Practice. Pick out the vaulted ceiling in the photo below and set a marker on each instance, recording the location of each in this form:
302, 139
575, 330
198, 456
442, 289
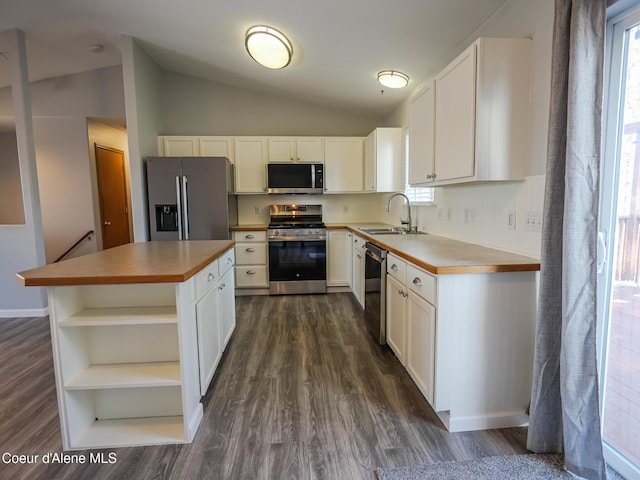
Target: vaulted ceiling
339, 45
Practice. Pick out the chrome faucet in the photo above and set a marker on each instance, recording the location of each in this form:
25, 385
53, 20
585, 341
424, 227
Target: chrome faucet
408, 221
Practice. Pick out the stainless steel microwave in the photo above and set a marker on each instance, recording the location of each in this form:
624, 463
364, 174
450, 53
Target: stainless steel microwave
295, 178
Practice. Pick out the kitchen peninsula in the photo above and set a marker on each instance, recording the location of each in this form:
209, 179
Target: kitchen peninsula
130, 364
460, 318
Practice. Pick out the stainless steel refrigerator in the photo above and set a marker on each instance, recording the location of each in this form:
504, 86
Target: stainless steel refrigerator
190, 198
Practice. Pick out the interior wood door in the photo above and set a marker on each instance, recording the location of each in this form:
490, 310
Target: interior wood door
112, 191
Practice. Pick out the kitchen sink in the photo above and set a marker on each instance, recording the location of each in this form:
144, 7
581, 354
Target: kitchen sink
389, 231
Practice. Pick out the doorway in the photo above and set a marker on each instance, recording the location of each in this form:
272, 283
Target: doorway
112, 194
619, 259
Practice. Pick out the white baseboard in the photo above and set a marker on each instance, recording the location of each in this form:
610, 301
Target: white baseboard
488, 421
27, 312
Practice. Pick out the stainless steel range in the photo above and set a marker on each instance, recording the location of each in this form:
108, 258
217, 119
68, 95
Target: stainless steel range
297, 250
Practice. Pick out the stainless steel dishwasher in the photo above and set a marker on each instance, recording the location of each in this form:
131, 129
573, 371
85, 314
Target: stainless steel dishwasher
375, 270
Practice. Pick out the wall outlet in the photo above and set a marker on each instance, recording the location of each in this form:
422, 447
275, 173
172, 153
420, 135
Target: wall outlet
511, 220
533, 221
469, 216
440, 214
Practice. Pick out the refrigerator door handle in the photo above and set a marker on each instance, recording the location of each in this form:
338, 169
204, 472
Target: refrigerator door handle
179, 207
185, 206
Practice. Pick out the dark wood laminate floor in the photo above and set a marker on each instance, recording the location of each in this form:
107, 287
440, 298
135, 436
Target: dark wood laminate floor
302, 393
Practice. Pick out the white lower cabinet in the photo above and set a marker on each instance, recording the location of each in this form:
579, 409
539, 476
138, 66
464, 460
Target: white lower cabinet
466, 340
420, 352
215, 316
251, 259
126, 357
357, 271
339, 263
396, 317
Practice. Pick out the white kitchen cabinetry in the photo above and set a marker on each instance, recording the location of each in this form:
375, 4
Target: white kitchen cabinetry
178, 146
339, 264
343, 159
422, 136
296, 149
211, 146
482, 113
196, 146
396, 306
215, 319
466, 340
421, 329
357, 271
126, 363
383, 160
250, 161
251, 259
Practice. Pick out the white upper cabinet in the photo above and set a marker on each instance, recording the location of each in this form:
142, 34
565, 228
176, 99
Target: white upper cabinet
251, 158
216, 147
178, 146
455, 118
383, 160
194, 146
343, 158
296, 149
482, 113
422, 129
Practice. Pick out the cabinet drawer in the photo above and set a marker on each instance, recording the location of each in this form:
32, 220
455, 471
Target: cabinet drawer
226, 261
251, 276
251, 254
396, 267
206, 278
422, 283
253, 236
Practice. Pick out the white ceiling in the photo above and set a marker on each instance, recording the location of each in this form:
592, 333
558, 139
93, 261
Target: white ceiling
339, 45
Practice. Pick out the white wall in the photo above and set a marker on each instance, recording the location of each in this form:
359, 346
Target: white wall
339, 208
518, 18
142, 78
60, 107
64, 178
192, 106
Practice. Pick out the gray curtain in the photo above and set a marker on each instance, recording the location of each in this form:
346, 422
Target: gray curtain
564, 413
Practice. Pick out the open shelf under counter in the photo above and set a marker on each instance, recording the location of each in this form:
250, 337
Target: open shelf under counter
121, 316
131, 432
130, 375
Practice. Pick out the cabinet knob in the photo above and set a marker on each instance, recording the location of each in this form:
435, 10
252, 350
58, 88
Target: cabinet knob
250, 237
429, 177
250, 250
394, 267
417, 282
433, 176
210, 277
229, 260
251, 272
107, 224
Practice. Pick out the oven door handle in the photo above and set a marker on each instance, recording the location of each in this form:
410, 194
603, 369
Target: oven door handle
318, 238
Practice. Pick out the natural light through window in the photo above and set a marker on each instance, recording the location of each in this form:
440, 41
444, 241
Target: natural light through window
415, 194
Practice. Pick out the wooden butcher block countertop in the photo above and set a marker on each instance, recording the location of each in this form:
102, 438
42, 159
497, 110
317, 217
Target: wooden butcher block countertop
441, 255
147, 262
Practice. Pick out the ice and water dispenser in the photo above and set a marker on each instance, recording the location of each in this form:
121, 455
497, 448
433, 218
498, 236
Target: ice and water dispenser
167, 218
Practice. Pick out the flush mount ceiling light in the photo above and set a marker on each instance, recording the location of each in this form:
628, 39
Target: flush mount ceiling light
268, 46
393, 79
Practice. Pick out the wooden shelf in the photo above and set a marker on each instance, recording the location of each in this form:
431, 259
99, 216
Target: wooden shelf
121, 316
131, 432
129, 375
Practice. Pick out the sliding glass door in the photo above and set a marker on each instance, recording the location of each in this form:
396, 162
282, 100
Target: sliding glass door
619, 262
